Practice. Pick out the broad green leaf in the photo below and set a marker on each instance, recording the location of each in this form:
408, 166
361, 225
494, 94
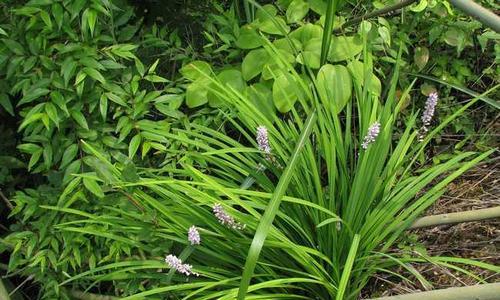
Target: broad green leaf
284, 92
249, 38
307, 32
135, 142
32, 118
14, 46
29, 148
32, 95
196, 70
94, 74
35, 157
318, 6
155, 78
420, 6
334, 86
46, 19
93, 187
356, 69
58, 99
311, 54
91, 62
68, 155
68, 70
79, 118
39, 2
421, 57
58, 13
288, 46
276, 25
296, 11
343, 48
103, 106
116, 99
152, 69
47, 155
5, 103
253, 63
262, 96
266, 12
80, 77
51, 111
385, 34
140, 67
230, 79
196, 93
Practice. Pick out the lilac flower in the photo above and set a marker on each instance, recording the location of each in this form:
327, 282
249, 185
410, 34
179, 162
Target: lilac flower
372, 134
226, 219
194, 235
176, 263
430, 106
263, 140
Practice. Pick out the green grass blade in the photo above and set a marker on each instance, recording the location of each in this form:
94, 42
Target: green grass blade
348, 268
4, 295
488, 100
265, 225
327, 32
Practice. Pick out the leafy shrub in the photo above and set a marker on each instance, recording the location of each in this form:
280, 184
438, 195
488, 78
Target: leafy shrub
344, 208
133, 159
68, 70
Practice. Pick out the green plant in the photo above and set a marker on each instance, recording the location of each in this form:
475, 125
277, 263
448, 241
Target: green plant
132, 160
323, 210
71, 74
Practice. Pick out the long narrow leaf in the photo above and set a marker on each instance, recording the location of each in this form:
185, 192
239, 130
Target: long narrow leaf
272, 209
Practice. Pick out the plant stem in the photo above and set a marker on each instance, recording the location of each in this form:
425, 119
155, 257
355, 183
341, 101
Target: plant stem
458, 217
4, 295
482, 14
374, 14
489, 291
6, 200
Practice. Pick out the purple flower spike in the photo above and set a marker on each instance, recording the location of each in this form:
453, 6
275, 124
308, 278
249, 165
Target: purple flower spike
430, 106
263, 140
176, 263
372, 134
226, 219
194, 236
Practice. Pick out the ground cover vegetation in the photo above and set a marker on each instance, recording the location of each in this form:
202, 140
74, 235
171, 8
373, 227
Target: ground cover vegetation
233, 149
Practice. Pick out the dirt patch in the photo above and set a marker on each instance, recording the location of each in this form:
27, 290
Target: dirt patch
479, 188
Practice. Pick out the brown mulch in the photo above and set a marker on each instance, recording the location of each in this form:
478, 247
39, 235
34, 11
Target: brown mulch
479, 188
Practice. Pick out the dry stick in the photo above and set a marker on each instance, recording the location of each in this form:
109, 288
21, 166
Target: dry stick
458, 217
374, 14
489, 291
6, 200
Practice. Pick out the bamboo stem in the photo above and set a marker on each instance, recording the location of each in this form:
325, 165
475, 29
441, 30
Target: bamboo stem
458, 217
482, 14
489, 291
469, 7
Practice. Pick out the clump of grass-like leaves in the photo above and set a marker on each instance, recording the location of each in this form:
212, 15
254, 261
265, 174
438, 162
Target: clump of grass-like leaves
320, 212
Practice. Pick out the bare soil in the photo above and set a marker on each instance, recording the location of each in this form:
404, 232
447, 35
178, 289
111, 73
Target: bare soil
478, 188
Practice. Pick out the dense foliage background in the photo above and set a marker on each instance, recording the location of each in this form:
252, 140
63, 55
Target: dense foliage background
103, 102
